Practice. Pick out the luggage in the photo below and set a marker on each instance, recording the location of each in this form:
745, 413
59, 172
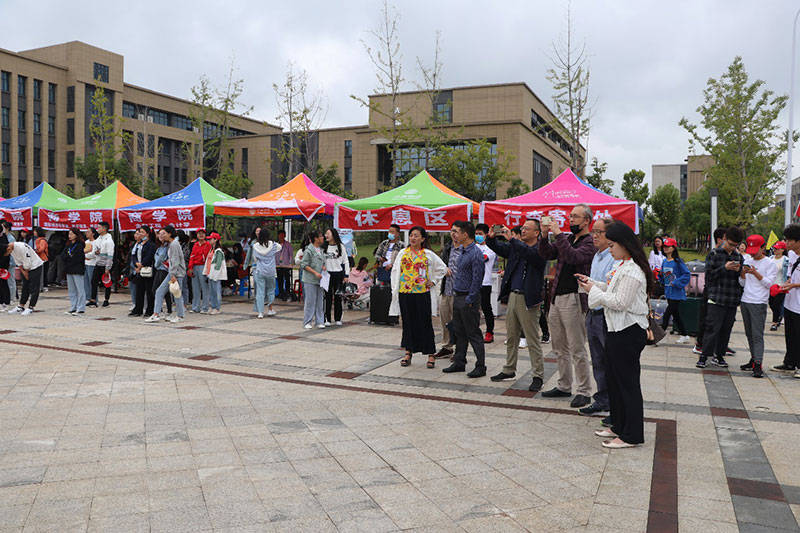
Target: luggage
690, 314
697, 284
380, 298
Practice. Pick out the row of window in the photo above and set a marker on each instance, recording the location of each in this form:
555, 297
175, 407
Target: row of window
37, 121
5, 156
541, 127
5, 86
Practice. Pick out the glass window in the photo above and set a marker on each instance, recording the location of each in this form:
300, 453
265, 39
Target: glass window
51, 125
6, 114
151, 146
348, 148
51, 159
37, 123
140, 144
21, 120
51, 92
70, 131
5, 156
348, 175
181, 122
6, 81
21, 82
21, 153
70, 163
37, 157
128, 110
158, 117
101, 72
71, 99
37, 89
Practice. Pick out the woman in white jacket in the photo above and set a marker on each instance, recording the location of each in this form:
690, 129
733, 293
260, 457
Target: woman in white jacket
264, 273
416, 270
217, 272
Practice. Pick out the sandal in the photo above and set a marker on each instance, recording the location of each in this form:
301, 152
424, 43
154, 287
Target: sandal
406, 361
431, 361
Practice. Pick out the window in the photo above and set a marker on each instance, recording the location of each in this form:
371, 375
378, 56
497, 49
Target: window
21, 81
51, 93
128, 110
37, 89
541, 170
151, 146
37, 157
6, 81
244, 159
101, 72
348, 148
21, 154
71, 99
443, 107
183, 176
70, 131
159, 117
5, 154
181, 122
348, 179
21, 120
70, 164
37, 123
140, 144
51, 125
6, 113
51, 159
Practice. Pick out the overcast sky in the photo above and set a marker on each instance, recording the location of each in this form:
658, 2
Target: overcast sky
650, 60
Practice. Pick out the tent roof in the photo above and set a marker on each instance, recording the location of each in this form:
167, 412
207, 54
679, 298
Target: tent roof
566, 189
198, 192
44, 195
115, 196
423, 190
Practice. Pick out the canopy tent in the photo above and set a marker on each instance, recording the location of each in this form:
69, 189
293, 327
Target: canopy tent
421, 201
297, 197
557, 199
86, 212
185, 209
21, 209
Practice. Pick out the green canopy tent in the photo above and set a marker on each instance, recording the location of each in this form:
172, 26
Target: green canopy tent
21, 209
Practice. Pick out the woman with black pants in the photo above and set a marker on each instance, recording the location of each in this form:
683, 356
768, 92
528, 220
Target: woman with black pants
144, 274
624, 302
338, 266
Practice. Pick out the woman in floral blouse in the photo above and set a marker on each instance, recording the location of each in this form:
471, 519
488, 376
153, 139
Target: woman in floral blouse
415, 271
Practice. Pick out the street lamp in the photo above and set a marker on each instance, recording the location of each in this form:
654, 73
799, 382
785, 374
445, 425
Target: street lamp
790, 145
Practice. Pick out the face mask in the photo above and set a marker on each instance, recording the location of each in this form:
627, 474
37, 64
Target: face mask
391, 236
575, 229
480, 239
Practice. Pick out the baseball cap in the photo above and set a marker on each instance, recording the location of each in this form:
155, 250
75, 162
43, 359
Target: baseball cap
106, 279
754, 244
4, 274
775, 290
780, 245
214, 235
670, 242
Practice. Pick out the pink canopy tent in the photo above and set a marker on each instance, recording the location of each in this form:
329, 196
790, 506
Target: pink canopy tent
557, 199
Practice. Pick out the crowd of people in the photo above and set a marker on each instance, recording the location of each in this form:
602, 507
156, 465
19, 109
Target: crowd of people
597, 294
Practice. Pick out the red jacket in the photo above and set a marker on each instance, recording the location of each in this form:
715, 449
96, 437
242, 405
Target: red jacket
199, 252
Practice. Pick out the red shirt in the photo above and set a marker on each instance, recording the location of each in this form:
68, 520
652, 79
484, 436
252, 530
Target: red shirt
199, 252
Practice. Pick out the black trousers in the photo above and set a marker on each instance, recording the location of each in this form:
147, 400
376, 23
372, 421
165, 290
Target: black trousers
31, 287
776, 304
467, 328
673, 310
46, 267
5, 292
284, 282
701, 319
543, 323
144, 295
332, 299
158, 279
97, 277
623, 349
791, 331
486, 307
719, 322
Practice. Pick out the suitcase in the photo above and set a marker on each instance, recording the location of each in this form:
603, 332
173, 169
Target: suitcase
380, 298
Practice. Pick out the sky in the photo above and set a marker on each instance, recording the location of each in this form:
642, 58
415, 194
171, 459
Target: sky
649, 60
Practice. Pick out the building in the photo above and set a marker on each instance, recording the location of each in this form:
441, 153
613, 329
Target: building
46, 111
687, 177
45, 99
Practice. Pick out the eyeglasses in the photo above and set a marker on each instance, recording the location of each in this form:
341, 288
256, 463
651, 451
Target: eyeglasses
598, 231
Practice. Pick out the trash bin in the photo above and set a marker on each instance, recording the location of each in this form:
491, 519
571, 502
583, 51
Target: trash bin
690, 313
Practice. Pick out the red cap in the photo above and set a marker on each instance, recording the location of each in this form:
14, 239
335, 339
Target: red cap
670, 242
754, 244
4, 274
780, 245
214, 235
106, 279
775, 290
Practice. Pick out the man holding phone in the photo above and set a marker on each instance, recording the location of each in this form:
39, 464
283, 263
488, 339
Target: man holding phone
757, 276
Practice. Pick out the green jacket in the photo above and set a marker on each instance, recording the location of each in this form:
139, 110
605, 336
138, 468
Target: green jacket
311, 257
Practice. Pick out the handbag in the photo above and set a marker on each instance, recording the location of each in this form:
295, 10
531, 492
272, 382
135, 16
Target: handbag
654, 330
146, 272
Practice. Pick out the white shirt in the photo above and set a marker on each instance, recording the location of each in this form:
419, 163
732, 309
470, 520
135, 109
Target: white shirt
624, 298
334, 263
792, 301
778, 261
488, 263
655, 260
91, 258
388, 255
25, 257
757, 291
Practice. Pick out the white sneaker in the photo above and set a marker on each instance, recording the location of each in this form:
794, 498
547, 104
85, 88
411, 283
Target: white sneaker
132, 307
797, 374
214, 312
338, 322
683, 339
327, 323
308, 326
16, 310
271, 312
70, 312
321, 326
523, 343
3, 307
204, 312
27, 312
152, 318
260, 315
175, 319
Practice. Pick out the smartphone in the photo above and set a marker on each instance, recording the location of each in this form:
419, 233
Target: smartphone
547, 220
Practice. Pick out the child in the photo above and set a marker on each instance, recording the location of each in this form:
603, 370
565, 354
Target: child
674, 276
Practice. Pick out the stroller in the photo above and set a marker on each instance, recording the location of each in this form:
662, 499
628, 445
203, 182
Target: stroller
350, 296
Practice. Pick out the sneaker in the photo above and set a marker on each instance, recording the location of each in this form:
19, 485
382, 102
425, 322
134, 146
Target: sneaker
27, 311
536, 385
777, 368
593, 410
214, 312
3, 307
70, 312
579, 401
152, 318
555, 392
477, 372
132, 307
523, 343
271, 312
444, 352
701, 363
757, 371
321, 326
773, 327
260, 315
193, 311
204, 312
719, 361
545, 339
308, 326
606, 422
327, 323
503, 376
105, 303
748, 365
338, 322
16, 310
175, 319
730, 351
797, 374
683, 339
488, 338
697, 350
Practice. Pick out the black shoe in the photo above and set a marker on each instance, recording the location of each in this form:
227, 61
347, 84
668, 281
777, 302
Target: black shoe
555, 392
453, 368
594, 410
719, 361
748, 365
536, 385
444, 352
606, 422
105, 303
783, 368
545, 339
502, 375
757, 371
477, 372
773, 327
730, 351
580, 400
701, 363
91, 304
134, 314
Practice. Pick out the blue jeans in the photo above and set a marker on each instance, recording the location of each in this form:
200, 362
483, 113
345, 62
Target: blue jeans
77, 293
265, 289
215, 293
132, 287
87, 280
162, 290
200, 296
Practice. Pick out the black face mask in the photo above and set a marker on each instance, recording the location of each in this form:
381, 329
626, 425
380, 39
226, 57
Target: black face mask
575, 229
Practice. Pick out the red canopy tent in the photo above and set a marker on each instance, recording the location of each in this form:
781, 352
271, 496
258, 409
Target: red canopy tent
557, 199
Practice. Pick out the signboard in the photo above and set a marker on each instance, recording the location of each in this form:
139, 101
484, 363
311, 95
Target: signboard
405, 216
82, 219
19, 218
189, 218
515, 215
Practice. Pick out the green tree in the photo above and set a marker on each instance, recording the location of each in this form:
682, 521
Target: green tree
104, 142
89, 168
666, 204
739, 121
517, 187
472, 169
596, 179
770, 222
634, 188
695, 219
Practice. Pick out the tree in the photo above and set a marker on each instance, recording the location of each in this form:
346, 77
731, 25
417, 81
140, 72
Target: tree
436, 131
666, 204
695, 219
770, 222
634, 188
328, 179
596, 179
472, 169
517, 187
569, 77
104, 142
740, 130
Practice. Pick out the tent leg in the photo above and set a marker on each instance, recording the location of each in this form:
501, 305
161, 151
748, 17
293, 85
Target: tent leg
287, 227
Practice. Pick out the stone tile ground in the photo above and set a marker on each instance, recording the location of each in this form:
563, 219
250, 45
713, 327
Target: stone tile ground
228, 423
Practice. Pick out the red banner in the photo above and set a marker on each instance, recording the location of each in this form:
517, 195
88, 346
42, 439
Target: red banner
79, 218
19, 218
510, 215
405, 216
186, 218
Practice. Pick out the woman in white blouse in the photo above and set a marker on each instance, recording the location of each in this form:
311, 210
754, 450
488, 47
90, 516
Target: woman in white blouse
623, 296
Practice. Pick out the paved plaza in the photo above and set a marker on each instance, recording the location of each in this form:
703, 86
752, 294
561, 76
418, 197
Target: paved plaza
229, 423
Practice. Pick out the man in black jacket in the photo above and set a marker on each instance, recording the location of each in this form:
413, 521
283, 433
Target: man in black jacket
522, 283
142, 257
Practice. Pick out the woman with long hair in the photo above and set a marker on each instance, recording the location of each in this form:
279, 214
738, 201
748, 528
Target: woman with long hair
623, 296
338, 267
75, 268
143, 273
216, 271
674, 277
782, 265
657, 253
312, 264
90, 261
161, 265
265, 272
415, 271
